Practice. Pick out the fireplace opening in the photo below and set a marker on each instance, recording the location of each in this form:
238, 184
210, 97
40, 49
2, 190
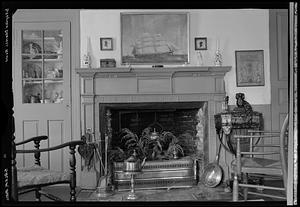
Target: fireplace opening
186, 120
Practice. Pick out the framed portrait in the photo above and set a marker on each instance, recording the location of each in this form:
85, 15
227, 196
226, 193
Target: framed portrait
200, 43
106, 43
155, 38
249, 68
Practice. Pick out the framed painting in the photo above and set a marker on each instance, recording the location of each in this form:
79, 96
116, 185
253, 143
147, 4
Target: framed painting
200, 43
249, 68
106, 43
155, 38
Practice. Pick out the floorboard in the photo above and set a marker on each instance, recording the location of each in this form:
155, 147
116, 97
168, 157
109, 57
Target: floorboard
196, 193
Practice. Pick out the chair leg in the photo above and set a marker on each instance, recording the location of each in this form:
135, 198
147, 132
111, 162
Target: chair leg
235, 189
245, 180
72, 174
37, 194
72, 193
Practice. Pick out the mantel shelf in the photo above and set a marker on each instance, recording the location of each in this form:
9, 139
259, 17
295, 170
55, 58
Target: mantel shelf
133, 71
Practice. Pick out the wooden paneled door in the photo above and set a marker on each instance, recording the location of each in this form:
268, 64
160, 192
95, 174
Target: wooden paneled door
279, 68
41, 87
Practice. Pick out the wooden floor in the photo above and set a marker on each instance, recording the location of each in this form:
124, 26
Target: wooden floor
197, 194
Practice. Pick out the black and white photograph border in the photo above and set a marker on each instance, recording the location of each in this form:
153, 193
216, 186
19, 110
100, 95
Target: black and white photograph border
9, 23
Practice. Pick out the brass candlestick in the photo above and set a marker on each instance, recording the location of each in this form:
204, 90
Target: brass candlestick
133, 166
132, 195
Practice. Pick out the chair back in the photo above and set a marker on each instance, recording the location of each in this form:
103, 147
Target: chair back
283, 148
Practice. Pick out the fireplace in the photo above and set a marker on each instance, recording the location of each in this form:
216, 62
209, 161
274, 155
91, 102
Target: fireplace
136, 97
186, 120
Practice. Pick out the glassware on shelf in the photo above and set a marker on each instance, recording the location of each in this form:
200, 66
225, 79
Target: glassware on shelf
53, 42
42, 66
31, 69
32, 49
53, 91
32, 91
53, 69
31, 34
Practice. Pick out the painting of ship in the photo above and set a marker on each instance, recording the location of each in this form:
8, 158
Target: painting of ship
152, 46
154, 38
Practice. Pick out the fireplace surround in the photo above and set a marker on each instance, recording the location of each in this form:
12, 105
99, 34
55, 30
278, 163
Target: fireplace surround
103, 90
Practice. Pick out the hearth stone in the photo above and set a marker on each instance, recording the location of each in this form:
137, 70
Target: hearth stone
179, 173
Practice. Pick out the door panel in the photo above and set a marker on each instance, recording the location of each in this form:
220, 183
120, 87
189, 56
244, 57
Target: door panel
278, 70
282, 44
56, 137
41, 86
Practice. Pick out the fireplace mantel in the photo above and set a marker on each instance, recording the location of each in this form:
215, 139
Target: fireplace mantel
153, 72
169, 80
145, 85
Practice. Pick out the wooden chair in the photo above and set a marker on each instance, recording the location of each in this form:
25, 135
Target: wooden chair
35, 177
247, 163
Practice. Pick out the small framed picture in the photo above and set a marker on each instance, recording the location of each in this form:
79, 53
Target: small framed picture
106, 43
200, 43
249, 68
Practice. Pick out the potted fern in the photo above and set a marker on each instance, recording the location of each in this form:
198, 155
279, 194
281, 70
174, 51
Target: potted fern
158, 147
132, 142
174, 149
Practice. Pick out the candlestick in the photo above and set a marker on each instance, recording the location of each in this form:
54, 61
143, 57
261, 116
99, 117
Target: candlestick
200, 58
218, 56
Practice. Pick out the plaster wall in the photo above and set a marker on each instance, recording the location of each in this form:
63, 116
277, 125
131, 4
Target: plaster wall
236, 29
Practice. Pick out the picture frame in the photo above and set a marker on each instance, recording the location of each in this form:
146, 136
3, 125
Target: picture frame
200, 43
154, 38
106, 43
249, 68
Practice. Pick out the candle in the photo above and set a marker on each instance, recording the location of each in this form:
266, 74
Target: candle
217, 44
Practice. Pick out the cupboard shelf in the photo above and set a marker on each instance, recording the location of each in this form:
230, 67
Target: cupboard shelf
38, 38
39, 80
40, 60
26, 54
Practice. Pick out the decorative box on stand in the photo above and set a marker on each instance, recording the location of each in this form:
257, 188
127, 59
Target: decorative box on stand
237, 122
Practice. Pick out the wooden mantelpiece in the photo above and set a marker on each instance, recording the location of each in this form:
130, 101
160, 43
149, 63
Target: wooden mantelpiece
169, 80
132, 71
145, 85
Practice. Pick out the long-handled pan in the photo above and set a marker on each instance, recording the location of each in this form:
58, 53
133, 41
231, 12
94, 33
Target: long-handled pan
213, 173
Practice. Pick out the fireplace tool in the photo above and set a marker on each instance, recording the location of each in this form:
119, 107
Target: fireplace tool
213, 172
103, 189
133, 166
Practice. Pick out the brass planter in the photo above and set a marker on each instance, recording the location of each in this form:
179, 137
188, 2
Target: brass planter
133, 164
158, 174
